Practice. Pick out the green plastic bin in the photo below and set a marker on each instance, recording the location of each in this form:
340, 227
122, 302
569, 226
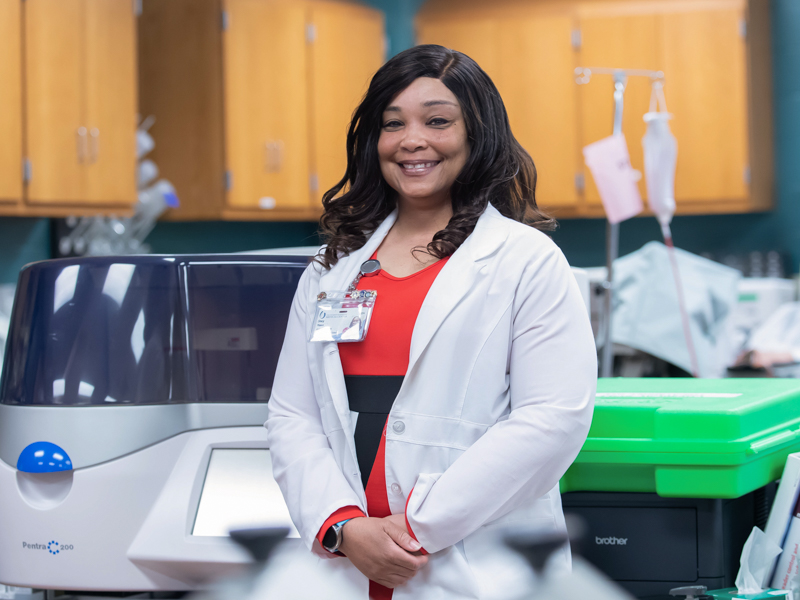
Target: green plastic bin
688, 438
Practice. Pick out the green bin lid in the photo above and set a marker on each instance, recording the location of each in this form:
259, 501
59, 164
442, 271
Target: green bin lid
685, 437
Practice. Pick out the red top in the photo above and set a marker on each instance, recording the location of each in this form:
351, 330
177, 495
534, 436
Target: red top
385, 351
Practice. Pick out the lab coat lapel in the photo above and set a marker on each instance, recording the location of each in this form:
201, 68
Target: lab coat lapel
456, 278
339, 278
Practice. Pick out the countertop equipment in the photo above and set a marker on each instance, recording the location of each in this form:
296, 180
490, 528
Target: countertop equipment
132, 404
676, 472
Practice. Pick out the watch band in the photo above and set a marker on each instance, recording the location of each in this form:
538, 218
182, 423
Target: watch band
333, 537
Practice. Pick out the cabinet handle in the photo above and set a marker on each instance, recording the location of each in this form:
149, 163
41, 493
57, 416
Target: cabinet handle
94, 146
81, 144
273, 156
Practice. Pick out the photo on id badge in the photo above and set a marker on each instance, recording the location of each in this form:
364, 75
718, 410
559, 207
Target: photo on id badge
343, 316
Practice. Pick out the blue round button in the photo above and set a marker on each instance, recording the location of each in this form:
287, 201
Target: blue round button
43, 457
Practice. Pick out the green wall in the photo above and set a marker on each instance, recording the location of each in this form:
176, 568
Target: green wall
399, 22
227, 236
583, 240
22, 241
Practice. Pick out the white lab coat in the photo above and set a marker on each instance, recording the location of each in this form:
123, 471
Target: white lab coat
495, 405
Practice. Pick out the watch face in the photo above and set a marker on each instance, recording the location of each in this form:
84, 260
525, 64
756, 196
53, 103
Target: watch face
331, 538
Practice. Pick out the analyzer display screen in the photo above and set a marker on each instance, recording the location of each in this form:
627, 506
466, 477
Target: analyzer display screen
240, 492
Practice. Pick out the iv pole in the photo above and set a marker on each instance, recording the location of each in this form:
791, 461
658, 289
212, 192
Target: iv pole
582, 76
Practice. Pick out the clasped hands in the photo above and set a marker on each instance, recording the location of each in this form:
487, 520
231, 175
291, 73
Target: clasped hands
382, 549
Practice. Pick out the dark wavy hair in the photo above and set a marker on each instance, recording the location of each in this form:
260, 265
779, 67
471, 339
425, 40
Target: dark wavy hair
498, 169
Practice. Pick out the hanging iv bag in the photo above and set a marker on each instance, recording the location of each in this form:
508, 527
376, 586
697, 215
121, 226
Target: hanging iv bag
660, 156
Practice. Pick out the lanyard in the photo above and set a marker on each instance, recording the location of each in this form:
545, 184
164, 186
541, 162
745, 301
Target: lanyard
368, 269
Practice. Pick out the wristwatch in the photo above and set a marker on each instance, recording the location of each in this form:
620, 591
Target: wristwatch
333, 537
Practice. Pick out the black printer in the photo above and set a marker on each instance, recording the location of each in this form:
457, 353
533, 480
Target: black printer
649, 544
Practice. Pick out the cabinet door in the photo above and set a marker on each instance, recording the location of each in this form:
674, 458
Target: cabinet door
110, 55
477, 37
616, 41
10, 101
56, 144
706, 82
266, 107
535, 79
347, 47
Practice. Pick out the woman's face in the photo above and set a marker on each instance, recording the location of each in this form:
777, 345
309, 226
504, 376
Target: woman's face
423, 142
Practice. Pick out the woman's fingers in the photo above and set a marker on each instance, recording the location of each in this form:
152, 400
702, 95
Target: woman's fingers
404, 563
404, 560
374, 551
409, 556
400, 534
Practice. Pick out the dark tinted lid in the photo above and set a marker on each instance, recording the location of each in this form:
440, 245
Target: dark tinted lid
148, 329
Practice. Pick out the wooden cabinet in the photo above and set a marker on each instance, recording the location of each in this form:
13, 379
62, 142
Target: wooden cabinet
703, 54
80, 104
266, 104
716, 60
541, 102
56, 134
341, 65
111, 101
476, 36
251, 123
11, 102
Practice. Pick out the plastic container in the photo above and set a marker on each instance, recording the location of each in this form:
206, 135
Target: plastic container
688, 438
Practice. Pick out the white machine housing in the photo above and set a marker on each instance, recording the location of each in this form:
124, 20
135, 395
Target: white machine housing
132, 405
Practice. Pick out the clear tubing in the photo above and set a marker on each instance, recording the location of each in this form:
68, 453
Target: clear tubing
687, 332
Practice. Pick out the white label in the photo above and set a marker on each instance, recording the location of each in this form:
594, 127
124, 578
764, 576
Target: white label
341, 324
786, 568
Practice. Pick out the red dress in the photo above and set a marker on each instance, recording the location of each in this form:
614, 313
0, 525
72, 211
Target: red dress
385, 351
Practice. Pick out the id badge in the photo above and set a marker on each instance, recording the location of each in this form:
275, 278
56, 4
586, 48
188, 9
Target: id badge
343, 316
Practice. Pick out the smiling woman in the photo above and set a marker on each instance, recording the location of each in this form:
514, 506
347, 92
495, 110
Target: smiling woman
437, 112
470, 394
